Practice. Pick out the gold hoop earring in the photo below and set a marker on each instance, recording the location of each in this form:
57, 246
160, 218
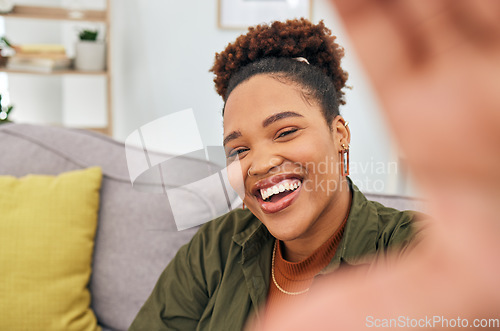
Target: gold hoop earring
344, 158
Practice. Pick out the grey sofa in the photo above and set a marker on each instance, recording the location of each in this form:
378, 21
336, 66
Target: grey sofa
137, 234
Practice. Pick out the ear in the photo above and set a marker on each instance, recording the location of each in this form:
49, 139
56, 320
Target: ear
341, 131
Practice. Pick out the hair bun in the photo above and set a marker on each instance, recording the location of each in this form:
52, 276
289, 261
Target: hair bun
294, 38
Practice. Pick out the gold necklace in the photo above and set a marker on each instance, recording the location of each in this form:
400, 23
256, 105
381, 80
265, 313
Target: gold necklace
274, 279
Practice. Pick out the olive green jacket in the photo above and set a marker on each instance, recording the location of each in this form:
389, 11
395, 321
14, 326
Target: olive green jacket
222, 276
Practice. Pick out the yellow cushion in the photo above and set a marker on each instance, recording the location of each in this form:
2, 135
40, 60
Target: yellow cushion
47, 229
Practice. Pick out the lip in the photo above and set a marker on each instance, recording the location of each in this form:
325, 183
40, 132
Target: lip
274, 207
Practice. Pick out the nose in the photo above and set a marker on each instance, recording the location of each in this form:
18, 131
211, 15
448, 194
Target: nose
263, 162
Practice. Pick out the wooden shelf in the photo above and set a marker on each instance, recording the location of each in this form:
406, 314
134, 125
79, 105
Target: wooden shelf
56, 13
66, 14
55, 72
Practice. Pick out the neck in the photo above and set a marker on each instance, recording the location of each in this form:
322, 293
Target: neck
324, 227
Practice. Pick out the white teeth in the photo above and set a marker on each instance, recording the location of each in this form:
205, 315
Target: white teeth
278, 188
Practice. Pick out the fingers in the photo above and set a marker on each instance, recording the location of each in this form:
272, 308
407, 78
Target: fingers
478, 22
406, 34
352, 9
390, 22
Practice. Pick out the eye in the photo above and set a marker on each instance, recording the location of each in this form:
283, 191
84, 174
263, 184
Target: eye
285, 132
236, 152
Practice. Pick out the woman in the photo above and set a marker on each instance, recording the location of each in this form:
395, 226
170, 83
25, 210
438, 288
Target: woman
282, 86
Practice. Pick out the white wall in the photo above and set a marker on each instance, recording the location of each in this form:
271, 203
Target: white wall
162, 53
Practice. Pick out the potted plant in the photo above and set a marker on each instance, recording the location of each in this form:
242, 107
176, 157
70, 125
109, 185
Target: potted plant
90, 53
6, 6
4, 112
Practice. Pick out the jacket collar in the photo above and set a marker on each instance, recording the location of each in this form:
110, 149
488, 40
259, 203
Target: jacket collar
252, 239
359, 241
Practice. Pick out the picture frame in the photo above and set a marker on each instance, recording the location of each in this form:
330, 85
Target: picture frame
240, 14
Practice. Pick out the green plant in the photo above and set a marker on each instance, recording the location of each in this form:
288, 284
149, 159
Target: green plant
4, 112
4, 42
89, 35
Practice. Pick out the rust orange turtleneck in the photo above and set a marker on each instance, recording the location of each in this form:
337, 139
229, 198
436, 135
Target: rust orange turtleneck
298, 276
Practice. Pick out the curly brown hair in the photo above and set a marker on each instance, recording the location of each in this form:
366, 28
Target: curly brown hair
272, 48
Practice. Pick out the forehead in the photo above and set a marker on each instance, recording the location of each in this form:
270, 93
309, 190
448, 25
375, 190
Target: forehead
261, 96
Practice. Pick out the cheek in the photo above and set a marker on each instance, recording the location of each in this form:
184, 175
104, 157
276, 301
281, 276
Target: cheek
322, 164
318, 157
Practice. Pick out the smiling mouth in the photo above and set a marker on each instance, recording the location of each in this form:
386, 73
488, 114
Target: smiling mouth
279, 196
280, 190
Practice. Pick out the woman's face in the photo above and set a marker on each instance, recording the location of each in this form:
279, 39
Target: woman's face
289, 156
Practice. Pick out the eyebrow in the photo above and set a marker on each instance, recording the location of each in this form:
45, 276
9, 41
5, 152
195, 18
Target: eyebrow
268, 121
279, 116
233, 135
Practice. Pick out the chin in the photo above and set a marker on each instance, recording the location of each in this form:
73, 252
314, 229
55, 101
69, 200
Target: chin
286, 230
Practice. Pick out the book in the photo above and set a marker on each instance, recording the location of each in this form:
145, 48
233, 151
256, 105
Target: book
56, 56
40, 49
38, 64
